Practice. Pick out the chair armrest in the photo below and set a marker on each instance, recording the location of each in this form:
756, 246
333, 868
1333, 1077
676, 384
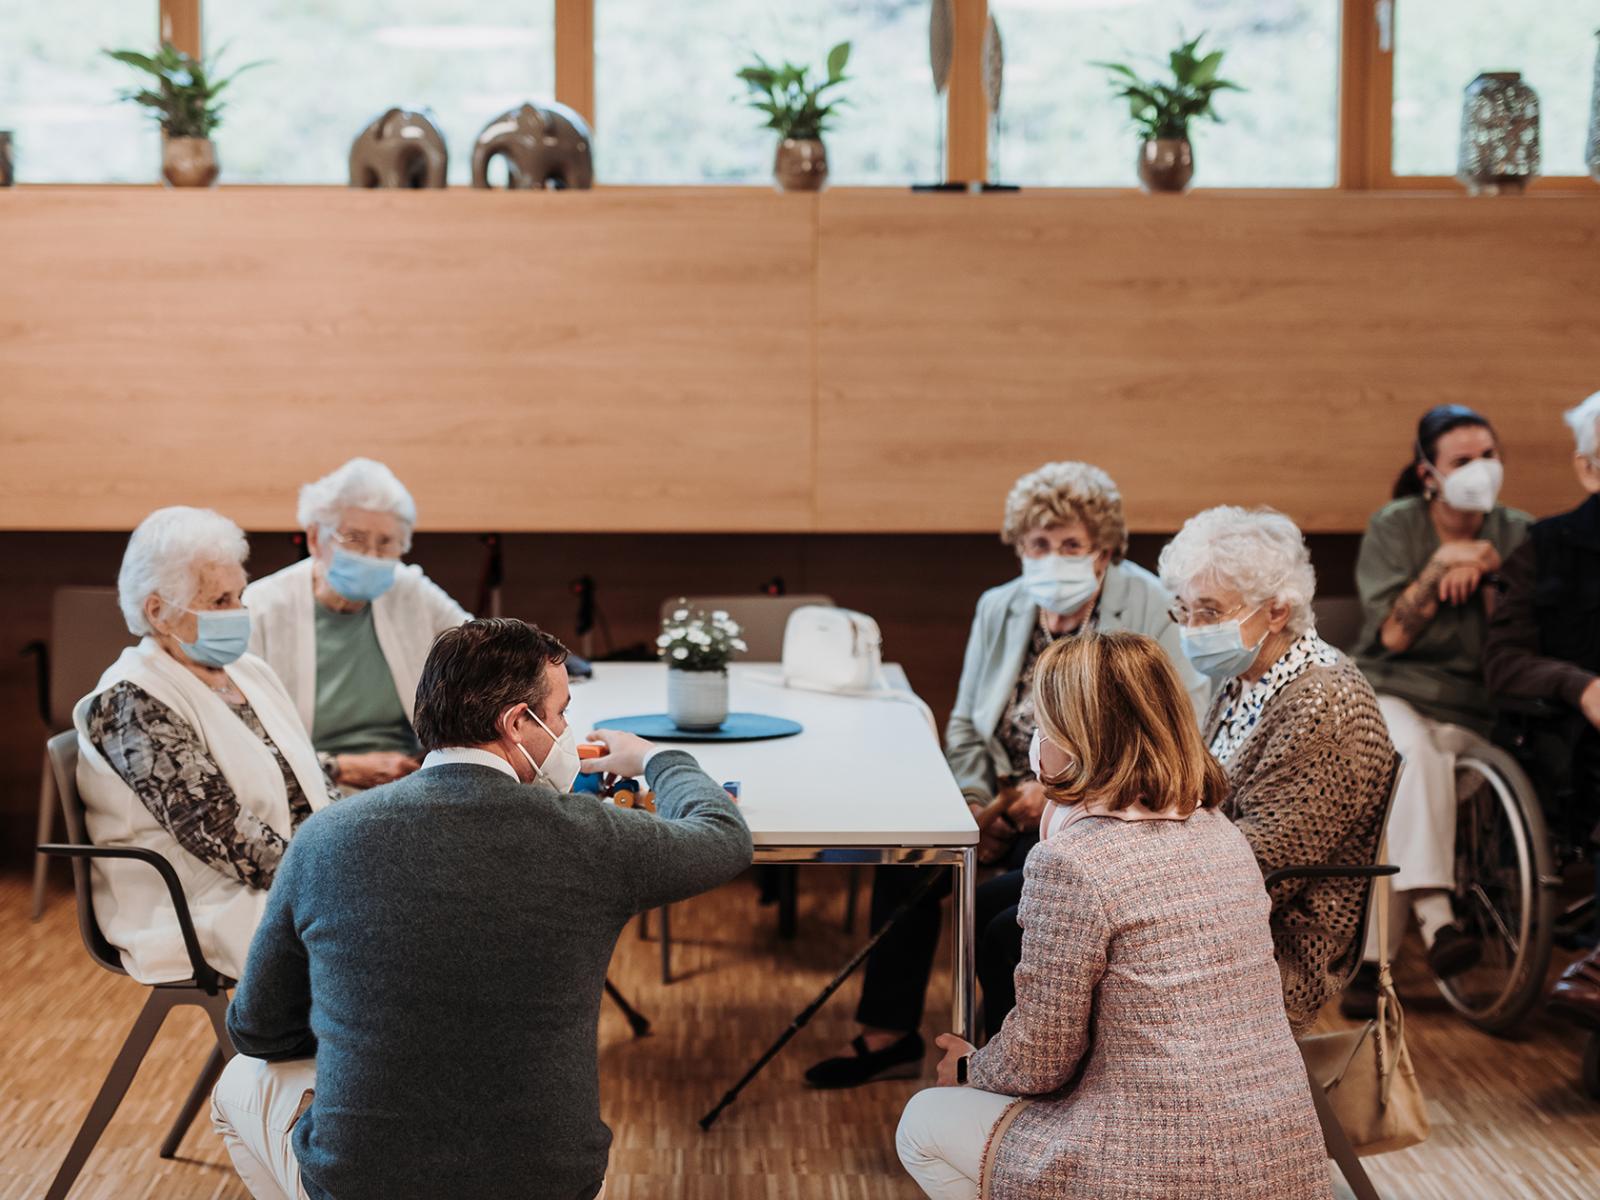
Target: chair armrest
1328, 872
205, 976
41, 666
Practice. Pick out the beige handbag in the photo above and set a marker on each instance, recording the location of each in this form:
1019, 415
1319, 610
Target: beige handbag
1366, 1072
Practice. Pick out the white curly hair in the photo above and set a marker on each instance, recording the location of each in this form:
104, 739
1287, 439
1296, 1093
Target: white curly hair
1584, 421
360, 483
1258, 551
164, 557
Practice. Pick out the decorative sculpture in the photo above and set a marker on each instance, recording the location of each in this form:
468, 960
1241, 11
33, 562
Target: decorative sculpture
544, 145
401, 149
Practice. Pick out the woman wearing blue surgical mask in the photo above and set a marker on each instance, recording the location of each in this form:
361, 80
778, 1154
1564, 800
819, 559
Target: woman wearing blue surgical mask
1295, 725
1065, 524
189, 746
349, 627
1427, 574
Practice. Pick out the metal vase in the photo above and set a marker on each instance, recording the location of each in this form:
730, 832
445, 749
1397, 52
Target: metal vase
1166, 164
1499, 135
801, 165
697, 700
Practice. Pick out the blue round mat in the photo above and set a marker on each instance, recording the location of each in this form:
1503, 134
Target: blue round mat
739, 727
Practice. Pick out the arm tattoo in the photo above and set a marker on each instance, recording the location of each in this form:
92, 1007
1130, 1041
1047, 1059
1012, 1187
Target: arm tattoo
1419, 603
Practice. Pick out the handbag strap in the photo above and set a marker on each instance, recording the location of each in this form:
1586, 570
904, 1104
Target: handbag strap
1388, 1001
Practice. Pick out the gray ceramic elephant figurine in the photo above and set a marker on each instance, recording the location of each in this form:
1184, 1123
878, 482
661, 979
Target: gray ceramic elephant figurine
544, 146
401, 149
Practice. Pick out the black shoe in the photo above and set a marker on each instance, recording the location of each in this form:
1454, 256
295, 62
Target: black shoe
1453, 951
900, 1060
1360, 999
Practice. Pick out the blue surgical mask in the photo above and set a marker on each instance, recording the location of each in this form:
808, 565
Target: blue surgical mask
221, 636
360, 577
1218, 651
1060, 583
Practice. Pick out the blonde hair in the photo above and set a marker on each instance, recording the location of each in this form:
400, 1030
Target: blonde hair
1114, 704
1067, 491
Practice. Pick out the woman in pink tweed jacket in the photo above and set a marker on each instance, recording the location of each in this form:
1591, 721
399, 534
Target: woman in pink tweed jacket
1148, 1055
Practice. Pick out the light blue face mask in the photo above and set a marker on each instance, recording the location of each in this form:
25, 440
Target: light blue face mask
1218, 651
360, 577
1060, 583
221, 636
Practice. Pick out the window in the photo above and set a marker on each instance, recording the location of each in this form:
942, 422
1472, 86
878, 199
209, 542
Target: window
1440, 46
669, 108
331, 68
58, 93
1060, 125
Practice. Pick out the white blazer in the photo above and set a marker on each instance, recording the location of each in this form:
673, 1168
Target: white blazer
130, 899
407, 618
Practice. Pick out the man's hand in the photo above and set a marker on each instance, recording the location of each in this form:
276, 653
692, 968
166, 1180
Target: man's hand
1589, 702
624, 757
364, 771
953, 1048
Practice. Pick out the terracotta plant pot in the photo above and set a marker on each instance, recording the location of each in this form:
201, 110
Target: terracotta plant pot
189, 162
801, 165
1166, 165
697, 700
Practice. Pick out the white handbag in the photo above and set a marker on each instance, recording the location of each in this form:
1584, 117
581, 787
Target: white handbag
832, 650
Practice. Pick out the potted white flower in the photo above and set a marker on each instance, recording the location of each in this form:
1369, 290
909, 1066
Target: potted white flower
696, 647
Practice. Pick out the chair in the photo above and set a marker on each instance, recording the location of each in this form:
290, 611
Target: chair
87, 632
1339, 620
207, 989
1333, 1134
762, 619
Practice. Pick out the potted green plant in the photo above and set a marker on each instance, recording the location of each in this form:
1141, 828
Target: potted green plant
183, 98
1163, 109
696, 646
796, 109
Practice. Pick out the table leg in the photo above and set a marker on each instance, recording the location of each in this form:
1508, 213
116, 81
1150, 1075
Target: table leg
963, 1006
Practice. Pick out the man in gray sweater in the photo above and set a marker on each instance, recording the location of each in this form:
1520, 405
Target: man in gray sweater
417, 1017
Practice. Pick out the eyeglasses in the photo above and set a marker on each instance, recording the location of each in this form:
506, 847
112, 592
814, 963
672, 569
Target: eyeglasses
1182, 614
362, 543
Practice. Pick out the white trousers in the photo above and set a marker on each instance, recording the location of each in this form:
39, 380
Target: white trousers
254, 1108
1422, 824
941, 1138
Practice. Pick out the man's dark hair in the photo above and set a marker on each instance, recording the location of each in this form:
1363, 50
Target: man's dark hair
475, 672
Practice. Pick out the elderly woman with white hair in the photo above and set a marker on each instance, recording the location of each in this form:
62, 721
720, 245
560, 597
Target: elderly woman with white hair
190, 747
1064, 521
1296, 726
348, 628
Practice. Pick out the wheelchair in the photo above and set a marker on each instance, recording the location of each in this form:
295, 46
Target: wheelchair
1525, 834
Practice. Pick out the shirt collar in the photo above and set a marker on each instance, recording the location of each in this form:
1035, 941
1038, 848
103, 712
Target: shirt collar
466, 754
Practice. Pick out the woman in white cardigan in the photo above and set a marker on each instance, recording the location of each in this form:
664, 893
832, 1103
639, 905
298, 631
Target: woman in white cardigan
190, 747
348, 628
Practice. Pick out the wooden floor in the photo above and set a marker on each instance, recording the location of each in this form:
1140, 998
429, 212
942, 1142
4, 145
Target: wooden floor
1508, 1117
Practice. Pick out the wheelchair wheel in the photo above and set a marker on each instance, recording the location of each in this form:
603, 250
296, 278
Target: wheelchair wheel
1504, 891
1591, 1067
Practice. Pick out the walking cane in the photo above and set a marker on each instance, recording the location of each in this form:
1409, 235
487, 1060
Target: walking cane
810, 1010
636, 1020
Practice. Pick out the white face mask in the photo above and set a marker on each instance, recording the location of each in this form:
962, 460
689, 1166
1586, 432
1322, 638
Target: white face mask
1060, 583
1473, 487
560, 768
1033, 759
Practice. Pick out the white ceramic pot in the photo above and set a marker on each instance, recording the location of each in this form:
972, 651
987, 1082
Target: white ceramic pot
697, 700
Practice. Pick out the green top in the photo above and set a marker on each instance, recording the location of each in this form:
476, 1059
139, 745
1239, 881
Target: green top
1441, 673
358, 706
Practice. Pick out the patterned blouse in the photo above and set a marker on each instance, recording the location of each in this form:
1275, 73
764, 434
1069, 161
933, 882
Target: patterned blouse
158, 754
1019, 720
1242, 702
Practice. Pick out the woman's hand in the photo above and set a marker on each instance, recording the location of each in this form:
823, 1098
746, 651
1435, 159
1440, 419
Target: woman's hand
1458, 584
1478, 554
1028, 807
954, 1048
364, 771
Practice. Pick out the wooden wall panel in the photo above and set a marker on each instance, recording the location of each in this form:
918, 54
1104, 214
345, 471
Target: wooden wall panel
1211, 348
580, 361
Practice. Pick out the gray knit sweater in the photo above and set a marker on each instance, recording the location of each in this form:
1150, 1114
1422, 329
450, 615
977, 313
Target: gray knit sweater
440, 944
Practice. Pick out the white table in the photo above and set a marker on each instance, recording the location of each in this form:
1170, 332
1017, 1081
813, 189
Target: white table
866, 782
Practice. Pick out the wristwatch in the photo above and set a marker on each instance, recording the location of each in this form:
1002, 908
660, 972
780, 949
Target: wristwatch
961, 1068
